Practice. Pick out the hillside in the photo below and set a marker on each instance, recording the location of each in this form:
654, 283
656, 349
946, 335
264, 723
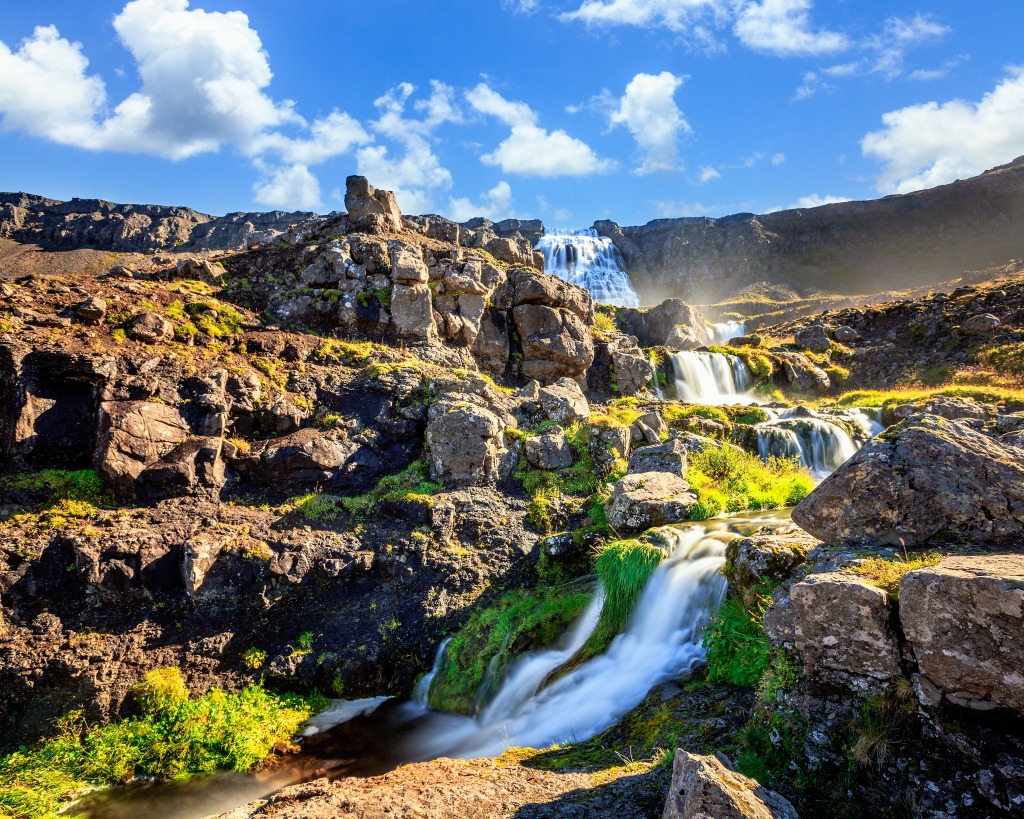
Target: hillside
895, 243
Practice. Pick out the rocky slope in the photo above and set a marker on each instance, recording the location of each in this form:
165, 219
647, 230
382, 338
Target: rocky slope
900, 241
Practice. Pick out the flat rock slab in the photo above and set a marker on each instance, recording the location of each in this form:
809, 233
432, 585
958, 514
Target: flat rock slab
964, 619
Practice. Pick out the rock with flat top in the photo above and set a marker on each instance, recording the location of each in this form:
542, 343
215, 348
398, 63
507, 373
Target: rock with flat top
641, 501
703, 787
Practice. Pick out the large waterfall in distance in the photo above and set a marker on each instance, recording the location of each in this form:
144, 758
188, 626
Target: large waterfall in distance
583, 258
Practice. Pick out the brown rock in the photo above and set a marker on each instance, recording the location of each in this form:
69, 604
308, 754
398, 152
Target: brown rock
150, 328
555, 343
134, 435
704, 788
91, 311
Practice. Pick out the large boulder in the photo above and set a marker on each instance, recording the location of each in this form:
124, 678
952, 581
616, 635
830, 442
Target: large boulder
466, 443
307, 457
924, 476
150, 328
765, 554
549, 449
371, 209
648, 499
668, 457
964, 619
813, 338
979, 325
555, 342
799, 372
705, 788
564, 402
134, 435
673, 323
842, 628
412, 312
633, 370
407, 264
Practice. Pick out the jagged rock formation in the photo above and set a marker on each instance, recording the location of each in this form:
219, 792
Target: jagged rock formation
851, 247
704, 787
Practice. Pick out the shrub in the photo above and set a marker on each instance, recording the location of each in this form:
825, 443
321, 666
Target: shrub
254, 658
727, 479
176, 737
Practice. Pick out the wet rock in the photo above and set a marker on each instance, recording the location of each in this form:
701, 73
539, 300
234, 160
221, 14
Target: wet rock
134, 435
842, 628
491, 347
765, 555
549, 450
371, 209
647, 499
979, 325
813, 338
704, 788
150, 328
926, 475
91, 311
964, 619
564, 402
667, 457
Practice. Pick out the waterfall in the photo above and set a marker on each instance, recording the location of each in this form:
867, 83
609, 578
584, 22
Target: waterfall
583, 258
661, 641
710, 378
722, 332
655, 386
821, 445
421, 693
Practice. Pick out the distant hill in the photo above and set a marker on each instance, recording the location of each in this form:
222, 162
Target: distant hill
898, 242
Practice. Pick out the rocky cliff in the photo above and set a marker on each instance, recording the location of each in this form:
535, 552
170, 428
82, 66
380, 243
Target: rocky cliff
848, 248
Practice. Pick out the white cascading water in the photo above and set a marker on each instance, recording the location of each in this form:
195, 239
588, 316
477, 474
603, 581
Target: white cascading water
421, 692
655, 386
821, 445
710, 378
723, 331
583, 258
661, 641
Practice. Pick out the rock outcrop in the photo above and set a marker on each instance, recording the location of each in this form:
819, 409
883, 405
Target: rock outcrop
705, 788
647, 499
924, 476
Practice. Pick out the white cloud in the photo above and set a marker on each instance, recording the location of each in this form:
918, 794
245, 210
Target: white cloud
783, 28
530, 150
669, 209
675, 15
815, 200
648, 109
291, 187
708, 173
417, 171
778, 159
925, 74
203, 87
495, 204
897, 36
520, 6
931, 144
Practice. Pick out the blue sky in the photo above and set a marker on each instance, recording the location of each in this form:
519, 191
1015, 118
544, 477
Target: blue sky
569, 110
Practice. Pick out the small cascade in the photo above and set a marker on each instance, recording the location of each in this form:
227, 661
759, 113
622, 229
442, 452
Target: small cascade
722, 332
583, 258
661, 641
821, 446
655, 386
421, 693
711, 378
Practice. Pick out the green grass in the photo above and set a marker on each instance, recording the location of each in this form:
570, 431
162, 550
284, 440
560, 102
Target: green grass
75, 485
735, 644
516, 623
880, 398
410, 486
731, 480
175, 738
887, 574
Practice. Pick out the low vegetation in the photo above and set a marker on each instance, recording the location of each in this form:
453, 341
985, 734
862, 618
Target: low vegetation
175, 737
887, 574
728, 479
411, 485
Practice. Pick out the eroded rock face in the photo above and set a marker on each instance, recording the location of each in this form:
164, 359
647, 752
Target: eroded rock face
964, 619
842, 628
370, 208
641, 501
549, 450
466, 443
704, 788
134, 435
926, 475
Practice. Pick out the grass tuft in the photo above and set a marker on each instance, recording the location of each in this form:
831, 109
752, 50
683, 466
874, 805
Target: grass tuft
727, 479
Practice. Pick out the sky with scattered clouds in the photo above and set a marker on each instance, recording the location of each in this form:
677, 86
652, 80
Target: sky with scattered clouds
565, 110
